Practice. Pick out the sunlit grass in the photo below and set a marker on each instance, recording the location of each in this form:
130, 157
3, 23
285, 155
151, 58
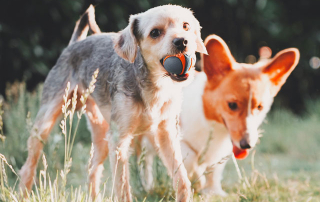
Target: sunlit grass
284, 166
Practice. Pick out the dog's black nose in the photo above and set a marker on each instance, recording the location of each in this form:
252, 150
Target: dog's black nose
244, 144
180, 43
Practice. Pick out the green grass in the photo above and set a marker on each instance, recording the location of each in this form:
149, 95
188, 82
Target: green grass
285, 166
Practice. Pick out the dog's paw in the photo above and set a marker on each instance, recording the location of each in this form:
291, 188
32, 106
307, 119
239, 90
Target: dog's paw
184, 191
199, 183
214, 191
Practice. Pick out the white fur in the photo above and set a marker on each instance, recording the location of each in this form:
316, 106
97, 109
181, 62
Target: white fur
196, 130
255, 120
205, 144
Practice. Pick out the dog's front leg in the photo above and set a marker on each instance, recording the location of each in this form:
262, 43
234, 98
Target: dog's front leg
168, 139
98, 128
213, 185
119, 144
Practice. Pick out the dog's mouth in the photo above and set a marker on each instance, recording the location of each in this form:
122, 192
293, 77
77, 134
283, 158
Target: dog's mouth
178, 66
176, 77
240, 153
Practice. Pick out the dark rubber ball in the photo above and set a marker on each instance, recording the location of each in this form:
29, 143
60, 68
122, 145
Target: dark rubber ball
178, 64
173, 65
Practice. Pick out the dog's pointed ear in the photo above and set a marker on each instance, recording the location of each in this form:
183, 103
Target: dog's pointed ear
200, 46
219, 60
126, 45
281, 67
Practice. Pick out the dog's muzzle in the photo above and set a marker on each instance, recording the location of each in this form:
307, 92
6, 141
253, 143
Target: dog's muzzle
178, 65
180, 43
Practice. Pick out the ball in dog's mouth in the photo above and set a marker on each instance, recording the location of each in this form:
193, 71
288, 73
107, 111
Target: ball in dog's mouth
178, 65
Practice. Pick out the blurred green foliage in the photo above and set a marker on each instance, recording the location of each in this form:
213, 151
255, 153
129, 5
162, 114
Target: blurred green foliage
33, 34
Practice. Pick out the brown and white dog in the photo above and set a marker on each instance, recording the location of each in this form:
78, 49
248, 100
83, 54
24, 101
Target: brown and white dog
222, 110
224, 107
133, 94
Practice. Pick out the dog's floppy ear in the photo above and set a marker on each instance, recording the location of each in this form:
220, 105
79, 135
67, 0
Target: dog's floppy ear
219, 60
126, 45
200, 46
280, 68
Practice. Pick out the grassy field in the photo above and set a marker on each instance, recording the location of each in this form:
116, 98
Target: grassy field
285, 166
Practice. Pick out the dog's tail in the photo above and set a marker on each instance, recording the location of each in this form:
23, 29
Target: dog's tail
87, 21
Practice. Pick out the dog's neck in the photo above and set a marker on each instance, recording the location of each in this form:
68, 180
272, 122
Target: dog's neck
156, 88
193, 116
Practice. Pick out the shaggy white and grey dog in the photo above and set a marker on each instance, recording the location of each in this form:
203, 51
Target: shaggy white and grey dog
134, 94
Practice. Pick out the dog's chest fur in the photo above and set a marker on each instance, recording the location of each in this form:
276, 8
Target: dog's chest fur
161, 102
196, 129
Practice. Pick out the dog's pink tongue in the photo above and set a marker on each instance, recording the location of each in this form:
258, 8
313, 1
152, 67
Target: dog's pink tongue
240, 153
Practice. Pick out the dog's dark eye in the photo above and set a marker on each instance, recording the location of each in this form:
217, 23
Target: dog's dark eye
186, 26
233, 106
155, 33
260, 107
